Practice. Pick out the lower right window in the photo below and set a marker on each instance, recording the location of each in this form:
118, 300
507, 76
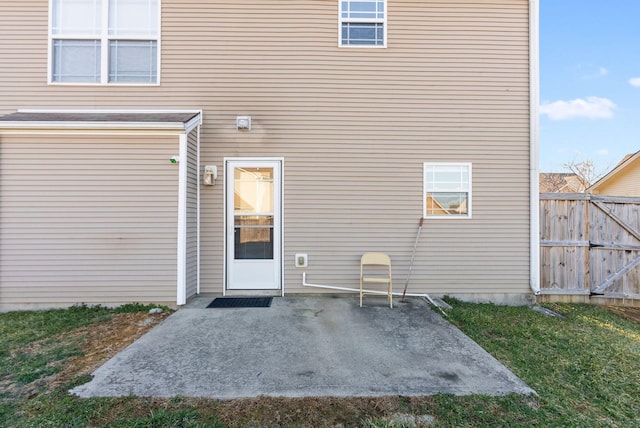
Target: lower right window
447, 190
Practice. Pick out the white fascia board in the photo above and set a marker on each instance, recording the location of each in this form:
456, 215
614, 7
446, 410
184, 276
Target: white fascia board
80, 125
193, 123
169, 126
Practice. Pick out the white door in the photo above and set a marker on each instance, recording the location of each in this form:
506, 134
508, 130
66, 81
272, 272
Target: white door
254, 222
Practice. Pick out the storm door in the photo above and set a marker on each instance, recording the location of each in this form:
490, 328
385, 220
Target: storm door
253, 224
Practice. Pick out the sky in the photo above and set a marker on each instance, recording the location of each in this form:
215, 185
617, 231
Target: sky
589, 82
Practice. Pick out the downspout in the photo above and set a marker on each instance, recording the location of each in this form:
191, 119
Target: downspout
534, 132
181, 295
198, 210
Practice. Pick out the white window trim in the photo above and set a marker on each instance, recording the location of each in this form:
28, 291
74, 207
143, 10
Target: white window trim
104, 50
365, 21
424, 192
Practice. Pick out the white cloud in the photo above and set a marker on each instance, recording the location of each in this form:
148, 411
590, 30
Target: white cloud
590, 108
603, 152
591, 71
635, 81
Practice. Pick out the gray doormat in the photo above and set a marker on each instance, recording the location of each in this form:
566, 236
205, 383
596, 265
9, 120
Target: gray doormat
241, 302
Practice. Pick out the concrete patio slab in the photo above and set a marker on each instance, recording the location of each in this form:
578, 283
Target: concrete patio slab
301, 347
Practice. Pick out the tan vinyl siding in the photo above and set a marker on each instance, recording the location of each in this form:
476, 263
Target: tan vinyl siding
626, 182
192, 214
87, 219
354, 126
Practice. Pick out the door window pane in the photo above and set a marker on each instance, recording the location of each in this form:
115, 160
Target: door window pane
253, 237
76, 61
253, 212
254, 191
133, 61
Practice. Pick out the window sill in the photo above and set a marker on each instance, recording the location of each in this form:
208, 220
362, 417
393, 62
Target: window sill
363, 46
103, 84
450, 217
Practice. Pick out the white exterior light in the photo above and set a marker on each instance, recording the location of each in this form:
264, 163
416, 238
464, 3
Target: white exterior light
243, 123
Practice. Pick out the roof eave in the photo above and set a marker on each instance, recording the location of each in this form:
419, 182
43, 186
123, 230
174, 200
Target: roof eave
175, 126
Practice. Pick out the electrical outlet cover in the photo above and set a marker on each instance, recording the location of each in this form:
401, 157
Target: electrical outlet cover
301, 260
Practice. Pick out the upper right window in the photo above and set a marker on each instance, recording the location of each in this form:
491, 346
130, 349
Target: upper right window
447, 190
363, 23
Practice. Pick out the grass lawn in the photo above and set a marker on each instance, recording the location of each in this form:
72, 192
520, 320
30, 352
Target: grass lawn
584, 365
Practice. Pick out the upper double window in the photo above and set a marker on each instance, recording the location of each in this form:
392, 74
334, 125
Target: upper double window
104, 41
363, 23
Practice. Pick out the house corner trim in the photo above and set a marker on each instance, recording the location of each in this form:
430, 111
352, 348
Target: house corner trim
534, 173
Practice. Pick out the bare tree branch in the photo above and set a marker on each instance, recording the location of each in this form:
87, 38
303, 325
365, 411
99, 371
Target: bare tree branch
553, 182
585, 170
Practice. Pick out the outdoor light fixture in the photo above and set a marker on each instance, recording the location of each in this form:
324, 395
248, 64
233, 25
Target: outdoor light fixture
210, 175
243, 123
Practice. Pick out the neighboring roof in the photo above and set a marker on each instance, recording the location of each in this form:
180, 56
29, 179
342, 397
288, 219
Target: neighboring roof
182, 120
624, 163
560, 182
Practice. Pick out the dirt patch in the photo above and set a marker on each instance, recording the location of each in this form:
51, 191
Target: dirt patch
320, 411
95, 343
632, 314
99, 342
269, 411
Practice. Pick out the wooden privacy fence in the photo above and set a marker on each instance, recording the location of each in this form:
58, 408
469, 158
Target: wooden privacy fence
590, 245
